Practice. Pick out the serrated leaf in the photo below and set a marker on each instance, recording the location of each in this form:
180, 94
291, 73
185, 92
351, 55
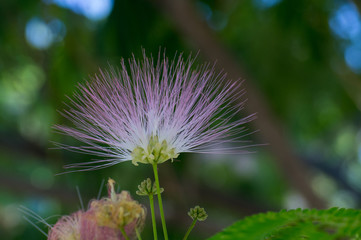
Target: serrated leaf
299, 224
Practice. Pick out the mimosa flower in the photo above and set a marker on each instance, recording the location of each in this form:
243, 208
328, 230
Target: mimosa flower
104, 220
150, 112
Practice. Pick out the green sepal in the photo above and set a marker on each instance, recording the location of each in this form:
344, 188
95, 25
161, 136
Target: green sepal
156, 152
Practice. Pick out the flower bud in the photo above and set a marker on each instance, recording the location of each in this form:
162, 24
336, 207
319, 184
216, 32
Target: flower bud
146, 188
198, 213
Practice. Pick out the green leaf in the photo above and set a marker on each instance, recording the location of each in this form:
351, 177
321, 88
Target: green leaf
299, 224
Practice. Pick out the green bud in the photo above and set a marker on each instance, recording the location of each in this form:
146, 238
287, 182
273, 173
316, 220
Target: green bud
146, 188
198, 213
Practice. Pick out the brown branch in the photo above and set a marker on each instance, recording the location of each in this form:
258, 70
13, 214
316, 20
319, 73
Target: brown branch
357, 4
13, 142
187, 21
21, 187
187, 189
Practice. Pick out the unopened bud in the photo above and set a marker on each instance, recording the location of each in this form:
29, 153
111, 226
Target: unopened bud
198, 213
146, 188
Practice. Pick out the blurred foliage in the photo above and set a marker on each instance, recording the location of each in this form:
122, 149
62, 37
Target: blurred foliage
287, 47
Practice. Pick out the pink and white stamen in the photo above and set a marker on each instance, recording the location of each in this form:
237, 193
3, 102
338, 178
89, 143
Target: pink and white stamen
151, 111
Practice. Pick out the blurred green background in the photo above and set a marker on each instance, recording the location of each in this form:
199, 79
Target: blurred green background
301, 61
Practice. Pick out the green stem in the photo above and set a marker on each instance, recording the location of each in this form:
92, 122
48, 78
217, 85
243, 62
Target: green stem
124, 233
138, 234
160, 201
151, 200
190, 229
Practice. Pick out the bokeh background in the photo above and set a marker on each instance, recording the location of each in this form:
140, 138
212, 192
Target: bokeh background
301, 62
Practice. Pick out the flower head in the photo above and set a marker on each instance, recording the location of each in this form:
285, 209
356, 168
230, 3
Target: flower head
104, 219
150, 112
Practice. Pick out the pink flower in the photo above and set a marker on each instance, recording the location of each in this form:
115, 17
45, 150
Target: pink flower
104, 220
151, 112
67, 228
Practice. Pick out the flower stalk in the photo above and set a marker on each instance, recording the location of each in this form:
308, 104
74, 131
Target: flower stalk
190, 229
151, 202
160, 203
138, 234
124, 233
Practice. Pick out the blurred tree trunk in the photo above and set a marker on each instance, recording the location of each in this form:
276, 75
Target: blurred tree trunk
188, 22
358, 4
